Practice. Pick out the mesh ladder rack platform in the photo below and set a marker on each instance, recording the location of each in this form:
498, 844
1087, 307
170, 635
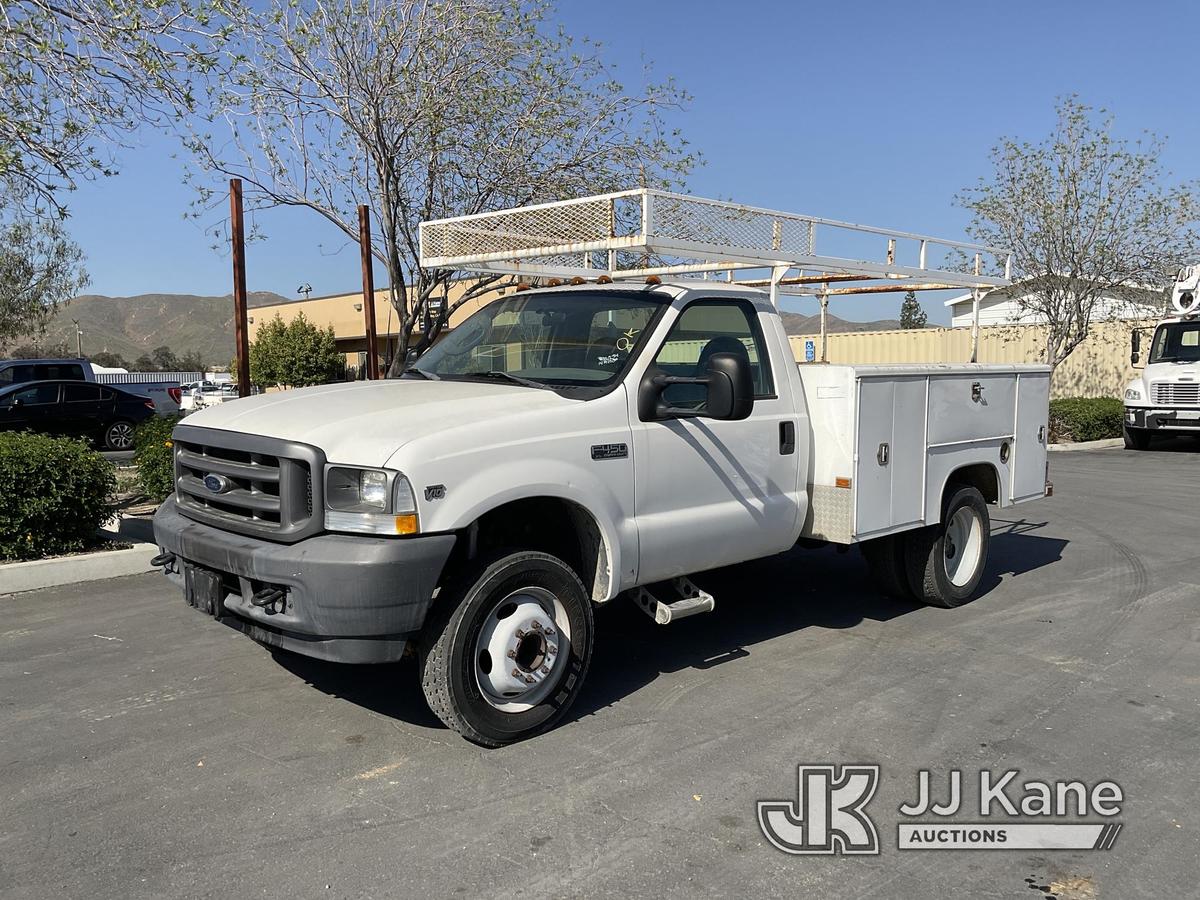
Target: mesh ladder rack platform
642, 232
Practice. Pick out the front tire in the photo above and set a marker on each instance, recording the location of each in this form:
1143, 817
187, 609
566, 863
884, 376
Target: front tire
946, 561
1136, 438
504, 653
119, 435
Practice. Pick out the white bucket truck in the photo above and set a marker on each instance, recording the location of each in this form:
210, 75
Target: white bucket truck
1165, 398
606, 435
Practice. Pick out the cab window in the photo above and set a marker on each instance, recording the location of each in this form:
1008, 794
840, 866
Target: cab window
705, 328
36, 395
81, 393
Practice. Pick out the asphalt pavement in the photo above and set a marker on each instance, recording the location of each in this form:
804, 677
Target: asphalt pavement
146, 751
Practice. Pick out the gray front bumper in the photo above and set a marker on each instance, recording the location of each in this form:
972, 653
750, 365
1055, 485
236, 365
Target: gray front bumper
348, 598
1155, 419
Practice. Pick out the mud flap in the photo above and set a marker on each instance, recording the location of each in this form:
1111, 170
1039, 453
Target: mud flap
203, 590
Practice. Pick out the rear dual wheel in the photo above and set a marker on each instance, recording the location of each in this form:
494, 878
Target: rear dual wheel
504, 653
940, 565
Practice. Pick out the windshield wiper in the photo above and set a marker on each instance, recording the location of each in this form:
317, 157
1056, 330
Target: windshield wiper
507, 376
428, 376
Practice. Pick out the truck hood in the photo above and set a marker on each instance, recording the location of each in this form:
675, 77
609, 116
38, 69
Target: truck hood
364, 423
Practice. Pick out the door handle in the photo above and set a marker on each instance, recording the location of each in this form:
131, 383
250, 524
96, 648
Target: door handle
787, 438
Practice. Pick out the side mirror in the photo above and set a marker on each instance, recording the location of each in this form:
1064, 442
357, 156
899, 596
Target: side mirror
729, 392
1135, 347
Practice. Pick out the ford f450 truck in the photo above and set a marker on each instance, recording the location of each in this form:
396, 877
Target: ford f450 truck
1165, 398
570, 445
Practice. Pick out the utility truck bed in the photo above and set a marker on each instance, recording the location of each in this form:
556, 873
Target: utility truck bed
887, 438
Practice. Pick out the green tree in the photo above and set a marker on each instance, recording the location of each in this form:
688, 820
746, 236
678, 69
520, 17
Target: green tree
78, 77
40, 267
423, 109
294, 354
1088, 215
109, 360
911, 314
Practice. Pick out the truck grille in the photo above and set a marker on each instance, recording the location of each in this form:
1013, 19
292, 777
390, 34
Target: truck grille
260, 486
1176, 393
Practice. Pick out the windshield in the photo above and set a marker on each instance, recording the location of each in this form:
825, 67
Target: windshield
1176, 342
574, 340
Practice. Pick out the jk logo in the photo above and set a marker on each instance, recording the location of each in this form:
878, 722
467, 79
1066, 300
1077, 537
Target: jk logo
827, 816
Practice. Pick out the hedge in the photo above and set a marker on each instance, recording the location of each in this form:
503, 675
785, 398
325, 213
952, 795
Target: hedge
54, 495
154, 454
1085, 419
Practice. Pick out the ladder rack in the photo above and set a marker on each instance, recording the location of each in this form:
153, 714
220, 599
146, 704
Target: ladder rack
643, 232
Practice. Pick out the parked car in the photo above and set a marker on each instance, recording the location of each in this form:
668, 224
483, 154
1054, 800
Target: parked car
200, 394
98, 412
165, 392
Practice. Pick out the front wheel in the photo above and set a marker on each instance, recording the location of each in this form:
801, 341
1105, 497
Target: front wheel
504, 653
119, 435
946, 561
1136, 438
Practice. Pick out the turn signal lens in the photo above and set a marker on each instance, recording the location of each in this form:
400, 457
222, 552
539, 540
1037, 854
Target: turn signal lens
406, 524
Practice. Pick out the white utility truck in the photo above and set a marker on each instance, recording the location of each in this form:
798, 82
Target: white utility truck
1165, 398
602, 437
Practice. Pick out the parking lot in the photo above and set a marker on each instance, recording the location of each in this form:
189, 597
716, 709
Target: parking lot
148, 751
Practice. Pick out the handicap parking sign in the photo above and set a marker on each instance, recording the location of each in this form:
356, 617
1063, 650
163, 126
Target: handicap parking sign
810, 351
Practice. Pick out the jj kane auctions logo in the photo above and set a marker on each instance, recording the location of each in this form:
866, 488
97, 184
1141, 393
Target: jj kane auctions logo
829, 814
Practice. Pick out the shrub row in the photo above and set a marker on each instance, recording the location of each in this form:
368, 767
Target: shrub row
1085, 419
154, 453
54, 494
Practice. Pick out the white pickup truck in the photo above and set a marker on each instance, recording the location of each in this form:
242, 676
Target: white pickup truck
567, 446
1165, 397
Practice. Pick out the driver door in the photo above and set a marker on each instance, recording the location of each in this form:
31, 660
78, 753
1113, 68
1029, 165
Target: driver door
711, 493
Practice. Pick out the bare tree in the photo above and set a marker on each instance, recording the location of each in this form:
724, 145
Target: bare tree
1088, 217
77, 76
424, 109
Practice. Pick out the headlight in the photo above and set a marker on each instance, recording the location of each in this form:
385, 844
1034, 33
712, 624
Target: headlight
369, 501
1133, 394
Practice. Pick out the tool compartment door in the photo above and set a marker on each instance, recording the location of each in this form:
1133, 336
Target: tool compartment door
1029, 441
889, 480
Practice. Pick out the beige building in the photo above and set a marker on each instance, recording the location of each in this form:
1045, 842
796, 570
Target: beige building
344, 313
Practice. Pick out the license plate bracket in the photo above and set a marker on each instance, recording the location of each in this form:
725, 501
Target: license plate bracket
203, 589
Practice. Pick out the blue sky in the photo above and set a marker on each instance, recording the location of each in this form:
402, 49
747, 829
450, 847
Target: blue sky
869, 112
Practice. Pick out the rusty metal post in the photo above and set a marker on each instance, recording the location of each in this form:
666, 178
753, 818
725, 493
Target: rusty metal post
368, 281
241, 328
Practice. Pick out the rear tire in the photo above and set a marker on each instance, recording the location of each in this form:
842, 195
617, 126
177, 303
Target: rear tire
1136, 438
885, 558
118, 435
504, 652
946, 561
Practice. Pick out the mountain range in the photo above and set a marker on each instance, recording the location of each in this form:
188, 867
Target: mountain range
131, 326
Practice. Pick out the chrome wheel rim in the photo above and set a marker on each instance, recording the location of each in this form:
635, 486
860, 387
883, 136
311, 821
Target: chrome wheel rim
962, 546
521, 649
120, 436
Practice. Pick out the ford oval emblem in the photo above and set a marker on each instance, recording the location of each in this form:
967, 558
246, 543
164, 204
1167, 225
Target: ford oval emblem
218, 484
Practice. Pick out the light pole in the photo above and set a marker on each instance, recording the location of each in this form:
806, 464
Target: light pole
78, 339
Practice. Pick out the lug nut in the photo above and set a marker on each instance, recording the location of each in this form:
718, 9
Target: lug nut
516, 673
537, 626
545, 670
512, 654
520, 633
549, 632
551, 649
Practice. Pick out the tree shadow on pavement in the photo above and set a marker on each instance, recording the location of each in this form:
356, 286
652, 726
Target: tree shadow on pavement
756, 601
